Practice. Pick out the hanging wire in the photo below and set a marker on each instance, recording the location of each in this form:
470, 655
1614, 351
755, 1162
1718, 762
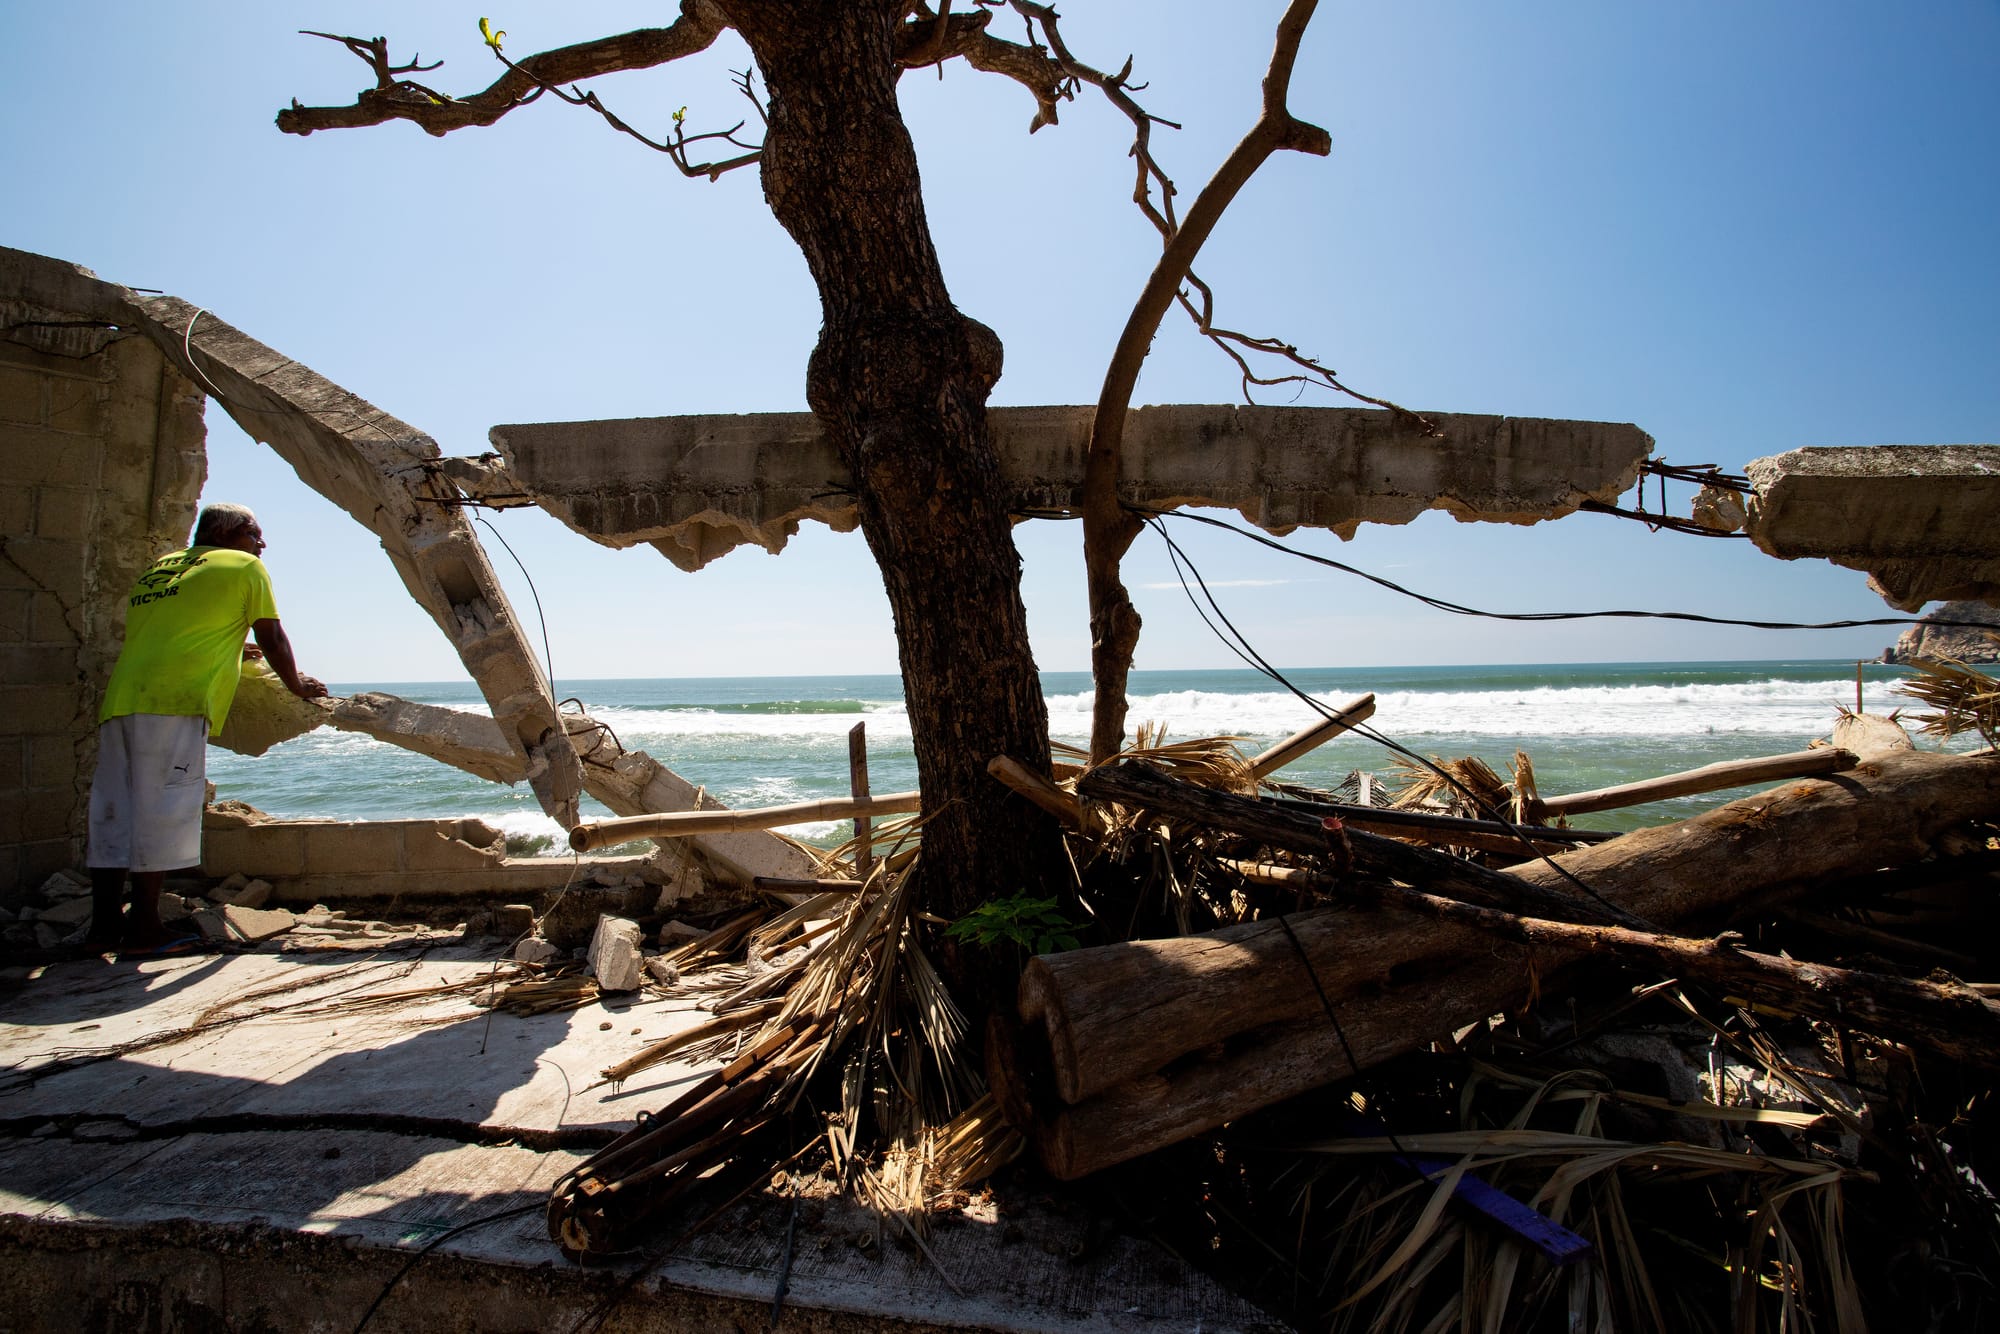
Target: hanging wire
1240, 645
548, 658
1460, 609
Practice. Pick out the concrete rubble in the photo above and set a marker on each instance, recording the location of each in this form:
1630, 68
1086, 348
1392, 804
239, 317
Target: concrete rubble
616, 959
1919, 519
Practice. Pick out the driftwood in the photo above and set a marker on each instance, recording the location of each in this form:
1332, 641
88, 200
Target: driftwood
683, 824
1037, 788
1708, 778
1241, 1012
1299, 827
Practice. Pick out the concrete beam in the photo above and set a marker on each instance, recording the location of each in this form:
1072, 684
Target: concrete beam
1922, 520
630, 782
696, 487
383, 473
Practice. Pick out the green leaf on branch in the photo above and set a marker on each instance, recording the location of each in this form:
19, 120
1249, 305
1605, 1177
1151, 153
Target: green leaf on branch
492, 38
1034, 925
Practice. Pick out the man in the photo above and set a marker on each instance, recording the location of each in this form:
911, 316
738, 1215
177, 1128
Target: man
170, 691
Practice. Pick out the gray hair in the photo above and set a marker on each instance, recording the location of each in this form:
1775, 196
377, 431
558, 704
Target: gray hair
218, 522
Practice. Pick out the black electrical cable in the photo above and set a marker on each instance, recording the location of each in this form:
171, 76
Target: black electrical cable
548, 658
1459, 609
432, 1245
1259, 663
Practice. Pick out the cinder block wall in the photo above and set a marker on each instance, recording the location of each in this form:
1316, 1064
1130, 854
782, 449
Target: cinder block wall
101, 465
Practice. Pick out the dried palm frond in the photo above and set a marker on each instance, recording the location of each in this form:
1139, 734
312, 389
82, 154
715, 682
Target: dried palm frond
1466, 786
1966, 699
977, 1143
1525, 794
1211, 761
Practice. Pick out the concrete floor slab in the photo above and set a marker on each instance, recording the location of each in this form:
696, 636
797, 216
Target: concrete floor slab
187, 1137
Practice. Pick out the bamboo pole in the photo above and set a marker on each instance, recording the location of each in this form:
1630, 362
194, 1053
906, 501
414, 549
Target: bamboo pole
1709, 778
683, 824
1358, 710
1042, 791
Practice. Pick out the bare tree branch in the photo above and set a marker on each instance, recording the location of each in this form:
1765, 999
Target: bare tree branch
1107, 529
699, 24
932, 37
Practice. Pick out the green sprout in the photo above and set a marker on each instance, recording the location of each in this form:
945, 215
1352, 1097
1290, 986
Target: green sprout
1033, 925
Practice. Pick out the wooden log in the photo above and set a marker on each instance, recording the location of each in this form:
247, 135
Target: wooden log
682, 824
1358, 710
857, 787
1708, 778
1251, 1030
1042, 791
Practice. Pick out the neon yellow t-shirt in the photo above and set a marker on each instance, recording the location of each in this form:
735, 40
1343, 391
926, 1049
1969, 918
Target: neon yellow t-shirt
184, 627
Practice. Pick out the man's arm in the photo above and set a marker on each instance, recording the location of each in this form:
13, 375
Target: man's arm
278, 652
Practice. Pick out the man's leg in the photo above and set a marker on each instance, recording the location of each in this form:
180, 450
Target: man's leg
143, 926
107, 907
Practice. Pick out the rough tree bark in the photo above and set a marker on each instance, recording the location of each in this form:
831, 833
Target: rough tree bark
900, 379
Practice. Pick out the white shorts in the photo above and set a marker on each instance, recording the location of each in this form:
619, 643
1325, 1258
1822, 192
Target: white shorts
146, 800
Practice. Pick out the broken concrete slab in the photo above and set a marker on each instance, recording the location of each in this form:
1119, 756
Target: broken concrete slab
230, 924
1919, 519
695, 487
249, 894
615, 958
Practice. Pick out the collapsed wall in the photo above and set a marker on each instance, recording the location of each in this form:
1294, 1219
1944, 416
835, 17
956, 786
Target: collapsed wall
101, 462
101, 465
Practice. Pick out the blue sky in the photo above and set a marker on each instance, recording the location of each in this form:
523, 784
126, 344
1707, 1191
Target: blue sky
1745, 227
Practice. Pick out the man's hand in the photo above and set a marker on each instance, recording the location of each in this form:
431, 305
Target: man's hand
278, 652
251, 653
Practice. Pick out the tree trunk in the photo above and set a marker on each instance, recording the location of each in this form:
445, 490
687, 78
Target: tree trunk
900, 379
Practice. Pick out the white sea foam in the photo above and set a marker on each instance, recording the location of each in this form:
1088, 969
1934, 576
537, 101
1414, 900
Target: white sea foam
1770, 707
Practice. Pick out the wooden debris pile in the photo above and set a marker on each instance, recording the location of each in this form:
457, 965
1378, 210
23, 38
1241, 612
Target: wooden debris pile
1420, 1063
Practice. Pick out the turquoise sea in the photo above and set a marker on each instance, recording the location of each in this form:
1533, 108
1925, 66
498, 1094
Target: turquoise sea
760, 741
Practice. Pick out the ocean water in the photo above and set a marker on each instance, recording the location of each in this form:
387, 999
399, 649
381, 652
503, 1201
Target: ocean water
761, 741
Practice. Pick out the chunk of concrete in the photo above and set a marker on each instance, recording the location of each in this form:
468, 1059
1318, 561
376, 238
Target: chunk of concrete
1919, 519
662, 972
696, 487
534, 950
513, 919
231, 924
615, 958
264, 713
66, 915
65, 885
248, 894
